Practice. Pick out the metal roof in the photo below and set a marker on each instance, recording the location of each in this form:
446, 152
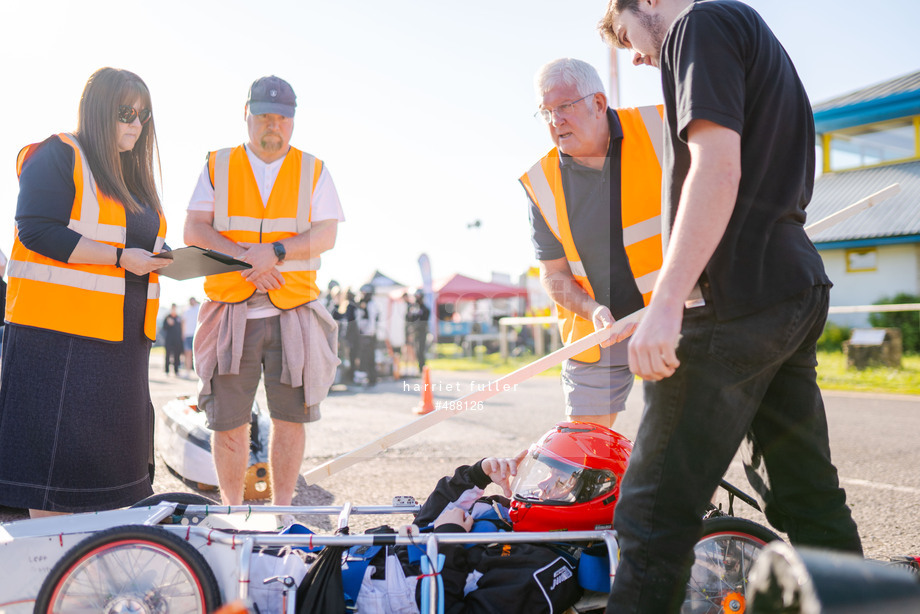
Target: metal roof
890, 99
899, 85
899, 216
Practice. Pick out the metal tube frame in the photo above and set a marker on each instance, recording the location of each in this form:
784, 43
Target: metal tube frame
344, 512
432, 541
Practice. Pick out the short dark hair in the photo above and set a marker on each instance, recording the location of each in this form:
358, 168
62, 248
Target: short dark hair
606, 26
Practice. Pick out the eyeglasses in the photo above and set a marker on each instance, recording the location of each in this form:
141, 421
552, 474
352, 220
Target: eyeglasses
127, 114
561, 111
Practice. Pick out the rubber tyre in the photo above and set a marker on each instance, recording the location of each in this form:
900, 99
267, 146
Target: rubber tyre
184, 498
115, 571
724, 557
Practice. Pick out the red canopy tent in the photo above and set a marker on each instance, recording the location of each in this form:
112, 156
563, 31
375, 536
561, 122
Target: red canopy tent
459, 288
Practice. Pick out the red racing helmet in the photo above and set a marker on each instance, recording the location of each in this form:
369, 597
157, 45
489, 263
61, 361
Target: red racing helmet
570, 479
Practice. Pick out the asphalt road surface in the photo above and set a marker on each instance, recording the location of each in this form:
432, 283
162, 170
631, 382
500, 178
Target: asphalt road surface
873, 442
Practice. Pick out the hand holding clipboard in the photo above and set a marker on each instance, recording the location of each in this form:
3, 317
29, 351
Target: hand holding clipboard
192, 261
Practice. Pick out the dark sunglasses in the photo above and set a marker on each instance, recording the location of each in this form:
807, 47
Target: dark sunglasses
127, 114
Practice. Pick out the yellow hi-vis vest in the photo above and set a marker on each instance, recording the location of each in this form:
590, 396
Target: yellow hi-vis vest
240, 216
640, 192
86, 300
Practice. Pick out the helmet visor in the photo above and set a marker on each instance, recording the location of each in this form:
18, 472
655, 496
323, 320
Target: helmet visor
547, 479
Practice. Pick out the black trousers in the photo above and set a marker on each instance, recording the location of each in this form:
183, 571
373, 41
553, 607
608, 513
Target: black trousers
749, 381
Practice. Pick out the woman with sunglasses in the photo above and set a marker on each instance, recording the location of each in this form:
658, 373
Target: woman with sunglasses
76, 420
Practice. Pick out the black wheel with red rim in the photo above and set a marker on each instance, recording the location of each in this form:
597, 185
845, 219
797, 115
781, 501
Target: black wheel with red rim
130, 569
724, 557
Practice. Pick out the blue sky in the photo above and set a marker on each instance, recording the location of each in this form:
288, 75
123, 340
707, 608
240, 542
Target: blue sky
422, 110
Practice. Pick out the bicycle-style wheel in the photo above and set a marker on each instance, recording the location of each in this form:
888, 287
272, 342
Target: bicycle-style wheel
724, 557
136, 569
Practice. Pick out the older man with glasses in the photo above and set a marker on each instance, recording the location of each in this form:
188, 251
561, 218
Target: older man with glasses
595, 205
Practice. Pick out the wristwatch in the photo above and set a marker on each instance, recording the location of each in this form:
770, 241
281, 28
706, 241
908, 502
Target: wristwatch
280, 252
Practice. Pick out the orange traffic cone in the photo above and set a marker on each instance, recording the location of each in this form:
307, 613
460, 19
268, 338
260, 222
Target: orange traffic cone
427, 404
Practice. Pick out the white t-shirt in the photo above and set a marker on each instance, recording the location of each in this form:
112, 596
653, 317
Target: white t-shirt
326, 205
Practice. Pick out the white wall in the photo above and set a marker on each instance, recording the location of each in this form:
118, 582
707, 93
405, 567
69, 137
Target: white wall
898, 270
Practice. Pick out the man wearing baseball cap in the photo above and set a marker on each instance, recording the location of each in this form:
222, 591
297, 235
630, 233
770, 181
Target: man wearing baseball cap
275, 207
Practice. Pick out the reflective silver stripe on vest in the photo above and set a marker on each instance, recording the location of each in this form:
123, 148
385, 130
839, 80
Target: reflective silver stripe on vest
577, 268
654, 125
153, 291
299, 265
238, 222
224, 222
221, 189
641, 231
99, 232
546, 202
282, 224
305, 194
646, 283
158, 245
88, 225
67, 277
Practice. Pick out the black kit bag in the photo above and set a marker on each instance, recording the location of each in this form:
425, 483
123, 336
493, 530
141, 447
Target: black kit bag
321, 591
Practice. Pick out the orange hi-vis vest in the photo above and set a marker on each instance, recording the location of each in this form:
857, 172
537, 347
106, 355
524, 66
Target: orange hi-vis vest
240, 216
640, 192
86, 300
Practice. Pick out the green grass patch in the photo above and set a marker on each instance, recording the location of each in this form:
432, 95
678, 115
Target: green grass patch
451, 358
834, 375
832, 370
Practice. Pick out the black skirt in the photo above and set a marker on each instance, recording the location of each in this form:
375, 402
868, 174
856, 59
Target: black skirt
76, 420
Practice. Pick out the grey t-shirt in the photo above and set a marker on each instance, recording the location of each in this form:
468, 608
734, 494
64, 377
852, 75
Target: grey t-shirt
593, 201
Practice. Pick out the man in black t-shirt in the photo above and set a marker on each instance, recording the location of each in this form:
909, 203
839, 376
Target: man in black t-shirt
738, 173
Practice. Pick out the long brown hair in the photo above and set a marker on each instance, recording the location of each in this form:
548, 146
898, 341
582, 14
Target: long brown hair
128, 175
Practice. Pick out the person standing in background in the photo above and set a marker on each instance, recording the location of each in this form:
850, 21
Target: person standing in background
417, 316
189, 321
367, 321
172, 339
346, 314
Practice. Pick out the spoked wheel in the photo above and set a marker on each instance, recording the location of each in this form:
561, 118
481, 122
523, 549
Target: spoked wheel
724, 557
130, 570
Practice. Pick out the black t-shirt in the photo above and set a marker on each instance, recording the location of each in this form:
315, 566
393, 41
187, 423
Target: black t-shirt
593, 201
720, 62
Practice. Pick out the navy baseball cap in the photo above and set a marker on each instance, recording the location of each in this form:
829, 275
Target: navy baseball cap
271, 95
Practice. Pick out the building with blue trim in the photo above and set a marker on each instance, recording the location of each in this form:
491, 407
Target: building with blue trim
869, 139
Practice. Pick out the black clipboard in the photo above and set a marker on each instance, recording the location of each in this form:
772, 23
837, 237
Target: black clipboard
193, 261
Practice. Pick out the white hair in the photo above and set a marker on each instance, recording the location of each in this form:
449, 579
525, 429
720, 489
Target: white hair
568, 71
